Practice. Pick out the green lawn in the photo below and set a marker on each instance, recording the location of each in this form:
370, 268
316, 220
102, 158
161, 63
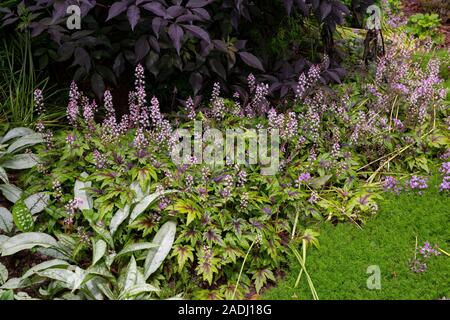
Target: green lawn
338, 268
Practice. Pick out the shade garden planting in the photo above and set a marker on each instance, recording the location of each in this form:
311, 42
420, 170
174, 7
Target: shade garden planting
94, 205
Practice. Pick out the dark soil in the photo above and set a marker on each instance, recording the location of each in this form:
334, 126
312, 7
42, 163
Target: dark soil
20, 262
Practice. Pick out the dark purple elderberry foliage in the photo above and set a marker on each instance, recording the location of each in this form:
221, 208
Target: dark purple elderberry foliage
179, 41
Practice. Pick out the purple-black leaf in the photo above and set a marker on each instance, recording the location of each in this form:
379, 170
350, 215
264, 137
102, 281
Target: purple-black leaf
176, 33
197, 3
251, 60
196, 81
116, 9
82, 59
133, 14
155, 8
141, 48
325, 9
198, 32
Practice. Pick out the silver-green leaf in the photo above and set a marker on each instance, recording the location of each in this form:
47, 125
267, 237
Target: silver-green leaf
6, 220
21, 161
164, 239
25, 241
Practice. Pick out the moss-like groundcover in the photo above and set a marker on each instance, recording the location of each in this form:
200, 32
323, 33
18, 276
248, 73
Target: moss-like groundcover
338, 268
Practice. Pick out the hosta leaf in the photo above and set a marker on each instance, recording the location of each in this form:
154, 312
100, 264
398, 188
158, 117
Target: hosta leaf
6, 220
142, 205
85, 201
138, 190
101, 270
130, 275
3, 274
25, 141
164, 239
25, 241
3, 175
63, 275
22, 216
104, 234
11, 192
99, 250
136, 247
120, 216
251, 60
3, 238
137, 289
13, 283
21, 161
37, 202
45, 265
104, 288
92, 288
16, 132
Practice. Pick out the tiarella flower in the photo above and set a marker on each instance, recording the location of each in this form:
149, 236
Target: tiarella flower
312, 155
190, 108
72, 107
237, 111
164, 202
56, 185
40, 126
259, 103
140, 142
398, 124
84, 237
110, 112
100, 160
217, 103
189, 181
251, 81
241, 178
401, 87
313, 198
70, 139
202, 192
39, 102
89, 112
48, 138
335, 149
206, 174
244, 200
155, 114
